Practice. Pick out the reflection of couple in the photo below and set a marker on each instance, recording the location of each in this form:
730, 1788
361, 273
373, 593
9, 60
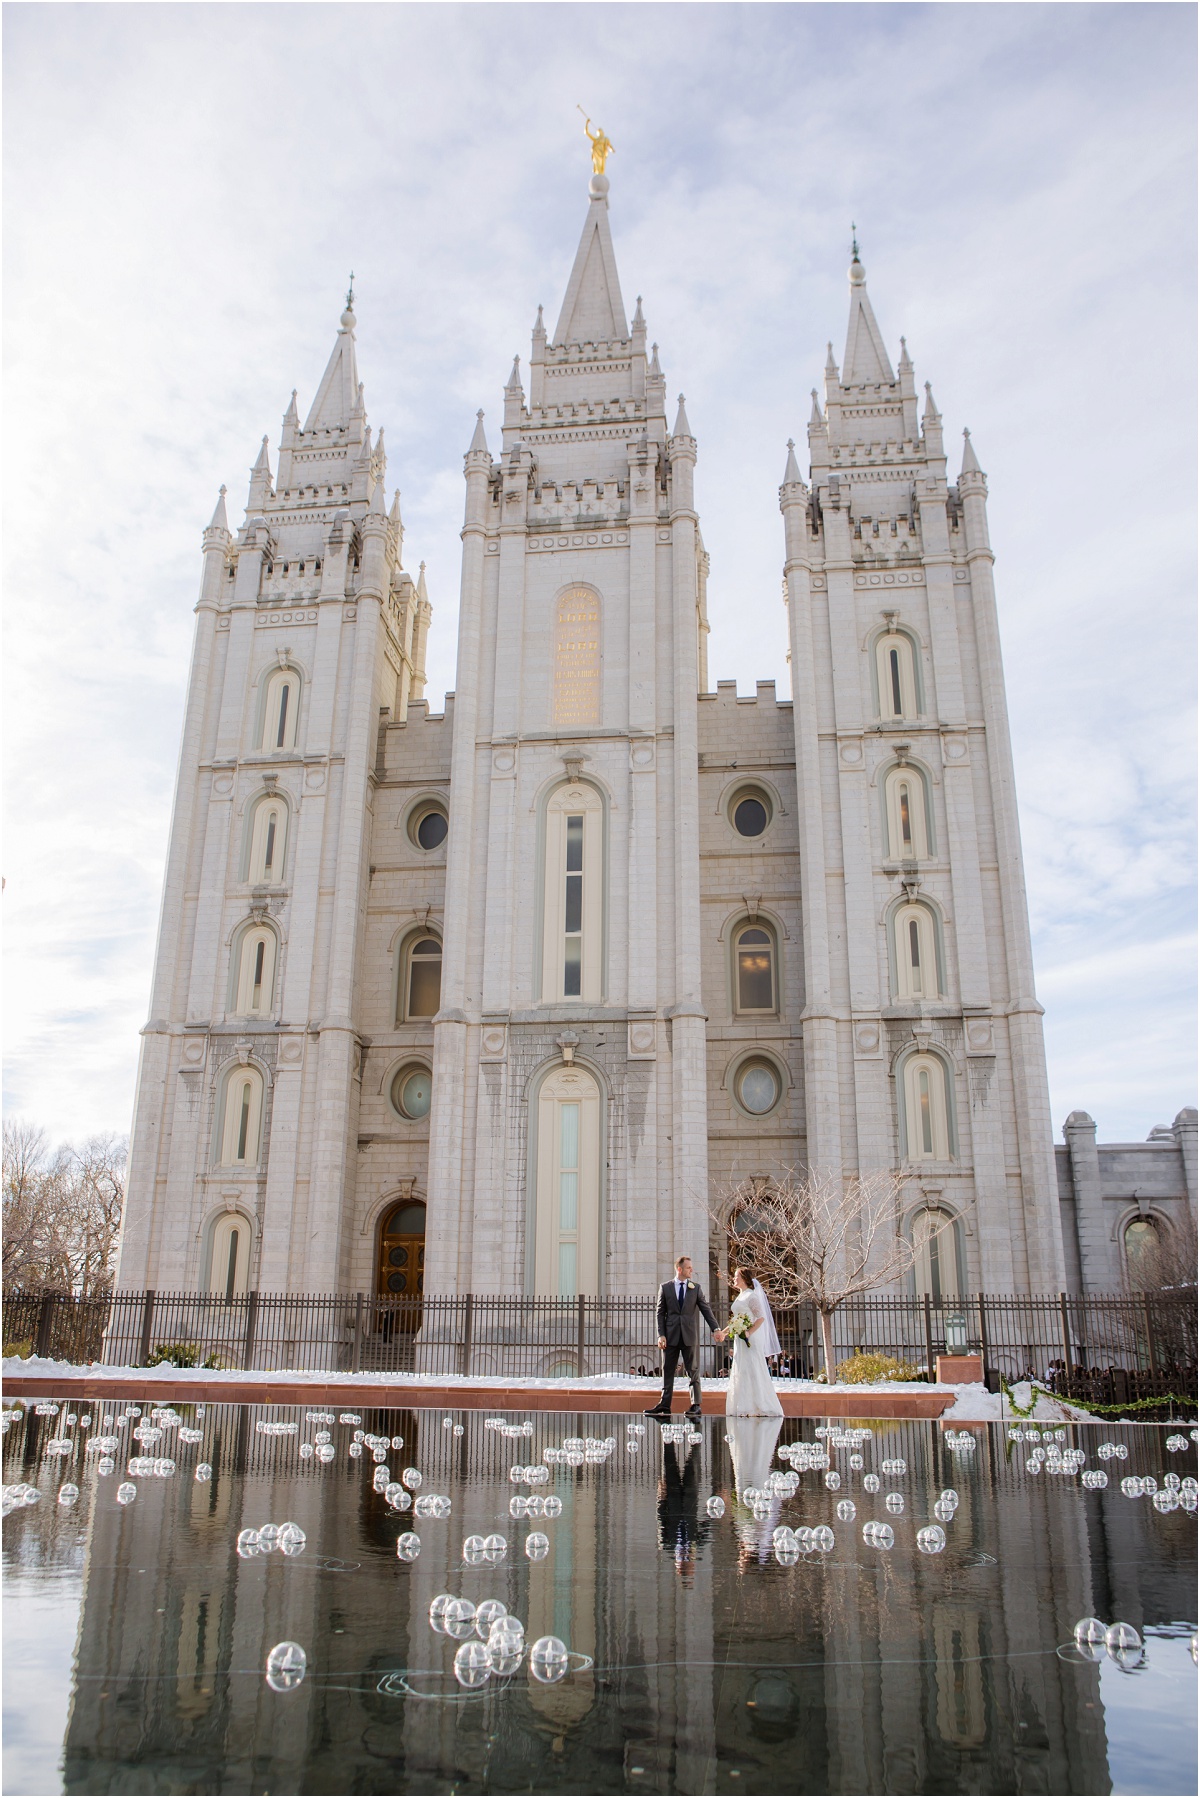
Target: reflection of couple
681, 1305
679, 1527
681, 1530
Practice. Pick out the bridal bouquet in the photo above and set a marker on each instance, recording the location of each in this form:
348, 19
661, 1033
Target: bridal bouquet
738, 1327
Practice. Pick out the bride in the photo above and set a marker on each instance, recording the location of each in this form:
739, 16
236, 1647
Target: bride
751, 1389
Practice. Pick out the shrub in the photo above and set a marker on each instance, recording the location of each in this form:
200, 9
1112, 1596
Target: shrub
862, 1368
22, 1350
180, 1354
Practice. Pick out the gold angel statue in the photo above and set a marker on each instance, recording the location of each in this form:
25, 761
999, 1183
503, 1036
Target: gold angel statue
602, 147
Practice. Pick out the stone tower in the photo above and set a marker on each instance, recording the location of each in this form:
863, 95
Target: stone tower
307, 629
922, 1035
568, 1147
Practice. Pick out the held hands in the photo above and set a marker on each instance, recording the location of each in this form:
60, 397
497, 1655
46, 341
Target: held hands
718, 1335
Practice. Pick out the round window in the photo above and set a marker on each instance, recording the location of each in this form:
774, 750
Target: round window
758, 1087
750, 812
428, 825
412, 1090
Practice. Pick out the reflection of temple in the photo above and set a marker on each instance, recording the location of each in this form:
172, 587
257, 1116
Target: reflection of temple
867, 1672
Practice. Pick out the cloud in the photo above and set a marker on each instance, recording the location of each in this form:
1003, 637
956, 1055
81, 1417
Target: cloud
176, 252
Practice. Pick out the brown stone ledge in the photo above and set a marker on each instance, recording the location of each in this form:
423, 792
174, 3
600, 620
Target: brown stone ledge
426, 1394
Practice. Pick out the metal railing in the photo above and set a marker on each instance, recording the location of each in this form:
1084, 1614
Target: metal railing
1107, 1348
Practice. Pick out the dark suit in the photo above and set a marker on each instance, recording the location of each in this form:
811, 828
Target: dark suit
679, 1525
680, 1325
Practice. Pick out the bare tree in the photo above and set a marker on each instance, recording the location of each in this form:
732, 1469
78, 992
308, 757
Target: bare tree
820, 1238
1165, 1259
62, 1212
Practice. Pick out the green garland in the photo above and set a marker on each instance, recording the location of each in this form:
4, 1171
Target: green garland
1135, 1404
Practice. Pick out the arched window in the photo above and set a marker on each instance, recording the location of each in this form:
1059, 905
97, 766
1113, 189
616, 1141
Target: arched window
255, 994
420, 991
1141, 1250
402, 1251
229, 1255
754, 969
914, 950
895, 670
268, 841
241, 1122
926, 1109
566, 1258
907, 804
281, 708
938, 1267
577, 657
573, 896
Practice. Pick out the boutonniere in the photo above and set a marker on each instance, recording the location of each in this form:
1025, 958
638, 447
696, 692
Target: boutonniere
691, 1286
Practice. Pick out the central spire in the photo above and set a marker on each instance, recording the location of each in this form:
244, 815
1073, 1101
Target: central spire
593, 310
866, 361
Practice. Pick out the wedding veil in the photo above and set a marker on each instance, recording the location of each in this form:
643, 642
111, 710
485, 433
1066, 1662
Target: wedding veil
771, 1345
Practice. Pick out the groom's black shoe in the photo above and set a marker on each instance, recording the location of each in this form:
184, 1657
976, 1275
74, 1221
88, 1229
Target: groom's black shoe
656, 1411
694, 1411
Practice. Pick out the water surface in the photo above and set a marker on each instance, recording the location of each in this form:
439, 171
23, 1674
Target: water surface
136, 1639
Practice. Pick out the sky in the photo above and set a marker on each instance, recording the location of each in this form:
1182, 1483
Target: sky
187, 188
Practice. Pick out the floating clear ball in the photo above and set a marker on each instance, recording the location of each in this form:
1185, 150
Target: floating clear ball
473, 1665
548, 1659
458, 1618
287, 1664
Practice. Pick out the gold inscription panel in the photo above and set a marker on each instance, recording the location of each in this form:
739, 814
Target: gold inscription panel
577, 658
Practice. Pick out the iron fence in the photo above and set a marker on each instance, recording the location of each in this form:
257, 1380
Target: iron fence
1107, 1348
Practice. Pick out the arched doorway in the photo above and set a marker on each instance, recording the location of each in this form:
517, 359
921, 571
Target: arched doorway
400, 1272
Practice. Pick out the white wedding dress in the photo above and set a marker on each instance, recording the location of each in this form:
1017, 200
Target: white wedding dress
751, 1389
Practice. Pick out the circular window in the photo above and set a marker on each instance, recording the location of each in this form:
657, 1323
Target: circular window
412, 1090
428, 825
750, 811
757, 1087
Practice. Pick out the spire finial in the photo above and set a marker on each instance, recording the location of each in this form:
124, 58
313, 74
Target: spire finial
348, 319
854, 240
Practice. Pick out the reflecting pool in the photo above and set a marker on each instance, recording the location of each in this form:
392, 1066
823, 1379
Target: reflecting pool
732, 1618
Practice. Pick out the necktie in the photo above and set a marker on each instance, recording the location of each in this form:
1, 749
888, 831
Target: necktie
679, 1292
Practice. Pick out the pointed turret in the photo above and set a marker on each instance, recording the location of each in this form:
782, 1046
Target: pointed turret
376, 507
831, 367
292, 415
593, 310
865, 362
260, 481
340, 394
792, 471
219, 520
904, 366
816, 416
682, 427
970, 462
394, 515
421, 592
931, 424
478, 445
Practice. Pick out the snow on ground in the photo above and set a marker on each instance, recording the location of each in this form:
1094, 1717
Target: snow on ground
972, 1404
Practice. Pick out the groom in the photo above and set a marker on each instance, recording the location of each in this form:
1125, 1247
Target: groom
679, 1301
